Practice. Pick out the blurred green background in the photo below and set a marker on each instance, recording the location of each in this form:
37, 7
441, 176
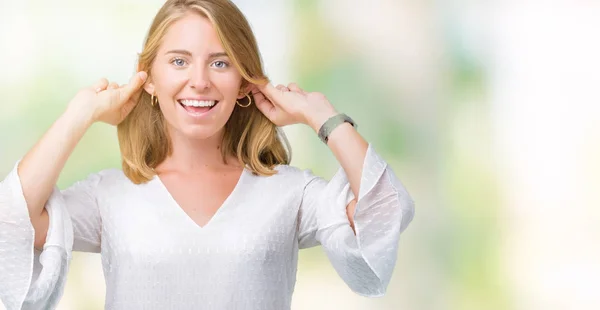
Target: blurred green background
487, 111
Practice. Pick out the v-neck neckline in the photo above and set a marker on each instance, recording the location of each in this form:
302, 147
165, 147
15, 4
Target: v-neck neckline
182, 212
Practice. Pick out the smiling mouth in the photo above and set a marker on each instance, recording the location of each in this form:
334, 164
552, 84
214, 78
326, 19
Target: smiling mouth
198, 106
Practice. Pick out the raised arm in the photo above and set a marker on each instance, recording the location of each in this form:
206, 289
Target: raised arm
38, 171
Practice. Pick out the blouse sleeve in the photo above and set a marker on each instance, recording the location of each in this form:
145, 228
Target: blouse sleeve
33, 279
364, 260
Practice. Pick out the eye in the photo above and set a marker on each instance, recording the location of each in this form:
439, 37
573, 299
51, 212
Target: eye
178, 62
220, 64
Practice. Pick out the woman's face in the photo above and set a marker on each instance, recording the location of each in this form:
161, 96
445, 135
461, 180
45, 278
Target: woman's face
195, 82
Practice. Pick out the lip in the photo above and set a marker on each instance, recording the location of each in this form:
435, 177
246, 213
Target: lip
198, 99
196, 115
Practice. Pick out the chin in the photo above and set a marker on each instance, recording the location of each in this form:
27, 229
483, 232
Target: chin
201, 132
199, 127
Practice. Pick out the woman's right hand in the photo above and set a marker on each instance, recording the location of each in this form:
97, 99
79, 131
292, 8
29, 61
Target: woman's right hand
108, 102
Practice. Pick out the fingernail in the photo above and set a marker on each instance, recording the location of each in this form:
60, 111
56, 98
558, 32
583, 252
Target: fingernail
98, 90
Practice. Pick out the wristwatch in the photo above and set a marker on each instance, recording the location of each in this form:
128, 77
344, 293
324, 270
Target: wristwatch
332, 123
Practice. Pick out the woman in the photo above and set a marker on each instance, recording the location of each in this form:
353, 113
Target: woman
206, 213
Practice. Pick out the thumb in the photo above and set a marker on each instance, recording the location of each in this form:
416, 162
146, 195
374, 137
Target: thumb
134, 85
270, 91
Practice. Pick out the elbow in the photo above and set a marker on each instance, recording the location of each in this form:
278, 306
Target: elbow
371, 289
373, 293
403, 200
365, 281
408, 211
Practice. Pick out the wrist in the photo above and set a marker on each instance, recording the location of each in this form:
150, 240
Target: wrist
79, 116
317, 120
332, 124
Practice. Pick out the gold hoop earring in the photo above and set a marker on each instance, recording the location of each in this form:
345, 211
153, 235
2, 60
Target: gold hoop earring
152, 102
249, 102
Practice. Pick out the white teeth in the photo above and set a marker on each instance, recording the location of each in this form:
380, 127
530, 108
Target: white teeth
198, 103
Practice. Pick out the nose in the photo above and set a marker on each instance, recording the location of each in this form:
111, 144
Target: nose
199, 79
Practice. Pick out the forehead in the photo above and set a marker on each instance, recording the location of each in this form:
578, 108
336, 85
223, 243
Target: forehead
194, 33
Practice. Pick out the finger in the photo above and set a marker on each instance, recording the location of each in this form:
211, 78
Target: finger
253, 89
134, 84
100, 85
113, 85
128, 106
259, 96
260, 99
256, 92
270, 92
282, 88
265, 106
296, 88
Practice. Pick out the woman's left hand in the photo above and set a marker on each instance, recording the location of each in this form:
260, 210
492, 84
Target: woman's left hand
292, 105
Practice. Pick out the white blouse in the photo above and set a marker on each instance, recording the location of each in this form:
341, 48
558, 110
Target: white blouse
154, 256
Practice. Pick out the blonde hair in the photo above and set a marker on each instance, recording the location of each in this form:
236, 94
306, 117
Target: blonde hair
249, 135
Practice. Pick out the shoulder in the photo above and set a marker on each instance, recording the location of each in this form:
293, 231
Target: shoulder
112, 174
107, 178
298, 175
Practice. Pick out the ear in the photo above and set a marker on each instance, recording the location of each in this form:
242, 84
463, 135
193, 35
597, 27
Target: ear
149, 86
245, 90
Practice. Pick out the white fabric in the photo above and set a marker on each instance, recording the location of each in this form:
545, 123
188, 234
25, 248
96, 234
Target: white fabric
156, 257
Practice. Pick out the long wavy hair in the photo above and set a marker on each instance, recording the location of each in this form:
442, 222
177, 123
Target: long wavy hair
249, 135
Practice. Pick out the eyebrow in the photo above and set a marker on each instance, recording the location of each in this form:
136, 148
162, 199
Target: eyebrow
188, 53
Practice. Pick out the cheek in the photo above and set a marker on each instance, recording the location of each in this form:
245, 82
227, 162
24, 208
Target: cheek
168, 80
228, 84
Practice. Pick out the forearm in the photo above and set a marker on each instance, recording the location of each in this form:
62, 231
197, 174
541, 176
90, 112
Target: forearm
347, 145
350, 149
40, 167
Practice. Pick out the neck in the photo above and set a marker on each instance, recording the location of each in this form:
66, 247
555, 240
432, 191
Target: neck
197, 155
